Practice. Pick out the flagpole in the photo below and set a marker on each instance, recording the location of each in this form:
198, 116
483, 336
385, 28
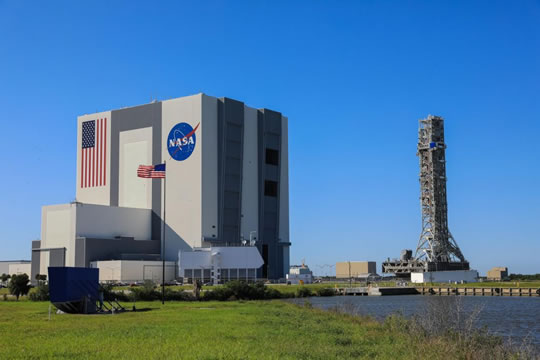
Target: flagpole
164, 228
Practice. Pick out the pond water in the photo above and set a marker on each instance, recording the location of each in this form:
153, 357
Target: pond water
514, 318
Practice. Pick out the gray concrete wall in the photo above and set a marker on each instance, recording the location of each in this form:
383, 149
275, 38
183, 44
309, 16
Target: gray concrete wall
36, 244
230, 154
269, 137
91, 249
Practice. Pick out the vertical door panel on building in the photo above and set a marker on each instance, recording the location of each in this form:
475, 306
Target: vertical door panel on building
135, 149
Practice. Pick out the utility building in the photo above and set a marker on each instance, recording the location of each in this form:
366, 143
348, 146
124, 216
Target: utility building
227, 181
497, 273
354, 269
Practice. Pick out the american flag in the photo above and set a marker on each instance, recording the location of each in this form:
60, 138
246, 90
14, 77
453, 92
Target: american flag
94, 153
151, 171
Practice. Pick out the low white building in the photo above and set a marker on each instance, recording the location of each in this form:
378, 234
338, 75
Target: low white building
220, 264
5, 265
300, 274
20, 268
467, 276
130, 271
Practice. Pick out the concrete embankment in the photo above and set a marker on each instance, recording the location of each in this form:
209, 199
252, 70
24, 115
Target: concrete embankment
468, 291
377, 291
479, 291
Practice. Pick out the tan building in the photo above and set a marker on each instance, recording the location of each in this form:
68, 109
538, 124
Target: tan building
354, 269
497, 273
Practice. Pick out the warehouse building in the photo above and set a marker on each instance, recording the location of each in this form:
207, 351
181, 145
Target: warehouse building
220, 264
497, 273
227, 181
355, 269
15, 267
132, 271
453, 276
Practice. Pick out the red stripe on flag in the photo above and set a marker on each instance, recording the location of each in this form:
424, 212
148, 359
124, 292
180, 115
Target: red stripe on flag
100, 152
82, 168
105, 156
85, 168
95, 160
92, 176
97, 151
81, 164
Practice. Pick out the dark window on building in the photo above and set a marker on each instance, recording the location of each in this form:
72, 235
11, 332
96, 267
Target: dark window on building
270, 188
272, 157
265, 259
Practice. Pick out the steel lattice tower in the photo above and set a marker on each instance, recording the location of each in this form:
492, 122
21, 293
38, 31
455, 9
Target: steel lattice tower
436, 244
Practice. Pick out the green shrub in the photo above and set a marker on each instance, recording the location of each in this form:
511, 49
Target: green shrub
172, 295
325, 292
40, 293
240, 290
271, 293
303, 292
220, 294
110, 295
145, 293
19, 285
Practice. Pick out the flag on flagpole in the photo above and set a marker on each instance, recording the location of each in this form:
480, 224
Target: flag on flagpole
151, 171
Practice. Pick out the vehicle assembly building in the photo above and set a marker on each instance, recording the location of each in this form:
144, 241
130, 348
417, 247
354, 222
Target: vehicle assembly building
437, 250
227, 181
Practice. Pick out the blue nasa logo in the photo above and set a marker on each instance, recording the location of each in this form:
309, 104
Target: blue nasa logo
181, 141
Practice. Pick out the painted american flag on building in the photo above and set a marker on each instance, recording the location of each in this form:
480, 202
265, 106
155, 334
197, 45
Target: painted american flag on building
94, 153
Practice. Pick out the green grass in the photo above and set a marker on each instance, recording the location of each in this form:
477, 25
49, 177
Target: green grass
205, 330
291, 289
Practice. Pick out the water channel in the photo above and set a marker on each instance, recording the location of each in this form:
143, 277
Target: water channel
514, 318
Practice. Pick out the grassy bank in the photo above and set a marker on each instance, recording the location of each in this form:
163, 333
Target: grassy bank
213, 330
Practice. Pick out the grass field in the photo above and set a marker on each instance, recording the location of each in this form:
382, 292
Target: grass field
208, 330
192, 330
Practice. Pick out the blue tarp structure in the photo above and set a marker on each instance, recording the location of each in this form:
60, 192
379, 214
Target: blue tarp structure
73, 289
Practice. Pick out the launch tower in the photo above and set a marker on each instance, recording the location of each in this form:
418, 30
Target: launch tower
437, 250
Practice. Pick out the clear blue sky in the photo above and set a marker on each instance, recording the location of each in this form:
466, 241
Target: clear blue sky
353, 78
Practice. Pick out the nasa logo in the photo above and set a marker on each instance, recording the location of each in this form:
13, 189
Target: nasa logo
181, 141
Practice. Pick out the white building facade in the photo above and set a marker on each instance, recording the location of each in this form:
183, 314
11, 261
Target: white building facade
220, 264
300, 274
466, 276
133, 271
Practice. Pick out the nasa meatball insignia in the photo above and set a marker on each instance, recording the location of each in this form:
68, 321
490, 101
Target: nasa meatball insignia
181, 141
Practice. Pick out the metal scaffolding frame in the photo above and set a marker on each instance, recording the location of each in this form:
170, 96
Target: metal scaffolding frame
436, 243
437, 250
